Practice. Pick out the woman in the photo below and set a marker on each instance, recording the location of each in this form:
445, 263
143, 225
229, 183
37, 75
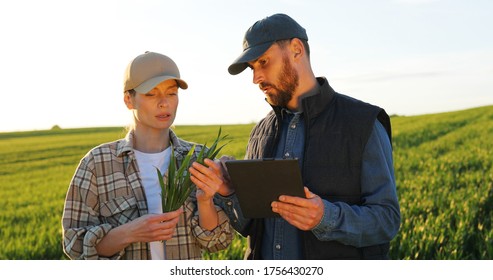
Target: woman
113, 206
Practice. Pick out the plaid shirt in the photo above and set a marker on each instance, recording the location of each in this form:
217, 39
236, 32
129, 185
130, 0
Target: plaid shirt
106, 191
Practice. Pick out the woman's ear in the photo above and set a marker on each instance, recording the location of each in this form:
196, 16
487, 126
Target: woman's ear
128, 101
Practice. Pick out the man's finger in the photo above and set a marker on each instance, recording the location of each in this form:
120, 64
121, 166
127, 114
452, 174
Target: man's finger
294, 200
308, 193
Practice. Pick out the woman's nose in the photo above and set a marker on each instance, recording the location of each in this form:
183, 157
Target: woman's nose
163, 102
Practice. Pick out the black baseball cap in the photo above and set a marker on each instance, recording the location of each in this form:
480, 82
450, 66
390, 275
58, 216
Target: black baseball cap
260, 36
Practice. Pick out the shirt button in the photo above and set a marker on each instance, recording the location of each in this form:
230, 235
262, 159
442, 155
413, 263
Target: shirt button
278, 246
293, 126
286, 154
229, 203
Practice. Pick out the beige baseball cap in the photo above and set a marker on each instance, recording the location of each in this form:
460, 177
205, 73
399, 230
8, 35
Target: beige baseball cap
148, 70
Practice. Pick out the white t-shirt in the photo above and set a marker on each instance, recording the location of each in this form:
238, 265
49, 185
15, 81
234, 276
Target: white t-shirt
147, 166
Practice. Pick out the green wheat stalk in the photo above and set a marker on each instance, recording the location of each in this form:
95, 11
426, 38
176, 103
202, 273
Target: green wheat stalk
178, 185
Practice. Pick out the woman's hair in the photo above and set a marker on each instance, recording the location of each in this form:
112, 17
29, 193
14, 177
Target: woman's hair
131, 92
131, 125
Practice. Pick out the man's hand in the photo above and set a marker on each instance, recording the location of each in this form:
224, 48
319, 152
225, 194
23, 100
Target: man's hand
303, 213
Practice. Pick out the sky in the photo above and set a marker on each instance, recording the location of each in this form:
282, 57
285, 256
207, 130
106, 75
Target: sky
62, 62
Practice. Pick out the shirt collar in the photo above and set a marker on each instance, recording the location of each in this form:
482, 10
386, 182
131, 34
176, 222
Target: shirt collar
285, 112
126, 145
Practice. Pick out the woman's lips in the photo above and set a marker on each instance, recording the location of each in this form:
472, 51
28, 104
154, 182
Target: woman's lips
163, 116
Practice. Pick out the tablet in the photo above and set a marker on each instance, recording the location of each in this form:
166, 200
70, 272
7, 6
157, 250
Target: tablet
259, 182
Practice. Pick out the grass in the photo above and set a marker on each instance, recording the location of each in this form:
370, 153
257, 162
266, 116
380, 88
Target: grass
443, 167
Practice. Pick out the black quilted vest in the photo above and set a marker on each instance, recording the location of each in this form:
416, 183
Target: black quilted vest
337, 128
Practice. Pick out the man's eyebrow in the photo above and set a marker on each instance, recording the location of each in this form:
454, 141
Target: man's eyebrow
250, 63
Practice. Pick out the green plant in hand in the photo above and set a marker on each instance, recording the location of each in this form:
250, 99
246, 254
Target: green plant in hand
178, 185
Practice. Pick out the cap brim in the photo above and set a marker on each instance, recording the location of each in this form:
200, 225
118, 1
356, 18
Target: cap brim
148, 85
250, 54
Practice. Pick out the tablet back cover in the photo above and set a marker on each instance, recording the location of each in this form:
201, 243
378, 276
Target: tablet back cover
259, 182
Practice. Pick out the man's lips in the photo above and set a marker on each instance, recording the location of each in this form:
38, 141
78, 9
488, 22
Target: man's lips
265, 89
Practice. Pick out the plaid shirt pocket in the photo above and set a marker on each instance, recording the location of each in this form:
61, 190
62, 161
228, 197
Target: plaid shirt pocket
119, 210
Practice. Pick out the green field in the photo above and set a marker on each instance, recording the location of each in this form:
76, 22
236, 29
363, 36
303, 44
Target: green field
443, 167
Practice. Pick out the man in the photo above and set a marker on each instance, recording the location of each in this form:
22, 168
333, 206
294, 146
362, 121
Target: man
351, 209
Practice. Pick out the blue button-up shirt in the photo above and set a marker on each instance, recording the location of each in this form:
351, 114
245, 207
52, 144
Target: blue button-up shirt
281, 240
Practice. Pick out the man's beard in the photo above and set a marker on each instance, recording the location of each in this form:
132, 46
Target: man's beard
288, 82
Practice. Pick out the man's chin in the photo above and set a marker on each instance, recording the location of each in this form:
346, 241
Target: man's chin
277, 104
270, 101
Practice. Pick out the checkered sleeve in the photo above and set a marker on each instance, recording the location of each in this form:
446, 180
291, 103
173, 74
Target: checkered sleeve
200, 238
213, 240
82, 228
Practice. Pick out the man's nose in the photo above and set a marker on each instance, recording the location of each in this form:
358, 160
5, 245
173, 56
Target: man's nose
258, 76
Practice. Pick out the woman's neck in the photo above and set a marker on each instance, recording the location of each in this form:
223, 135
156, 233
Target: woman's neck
151, 140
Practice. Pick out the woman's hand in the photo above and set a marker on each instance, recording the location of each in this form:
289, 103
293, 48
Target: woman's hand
209, 179
148, 228
154, 227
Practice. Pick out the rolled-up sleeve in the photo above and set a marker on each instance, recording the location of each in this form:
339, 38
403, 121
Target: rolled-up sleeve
82, 228
217, 239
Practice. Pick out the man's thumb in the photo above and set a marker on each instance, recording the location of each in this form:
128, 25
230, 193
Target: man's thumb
309, 194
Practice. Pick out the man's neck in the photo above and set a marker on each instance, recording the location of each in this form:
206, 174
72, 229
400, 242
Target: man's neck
305, 89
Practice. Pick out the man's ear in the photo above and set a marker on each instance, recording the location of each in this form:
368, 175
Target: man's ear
297, 48
128, 101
